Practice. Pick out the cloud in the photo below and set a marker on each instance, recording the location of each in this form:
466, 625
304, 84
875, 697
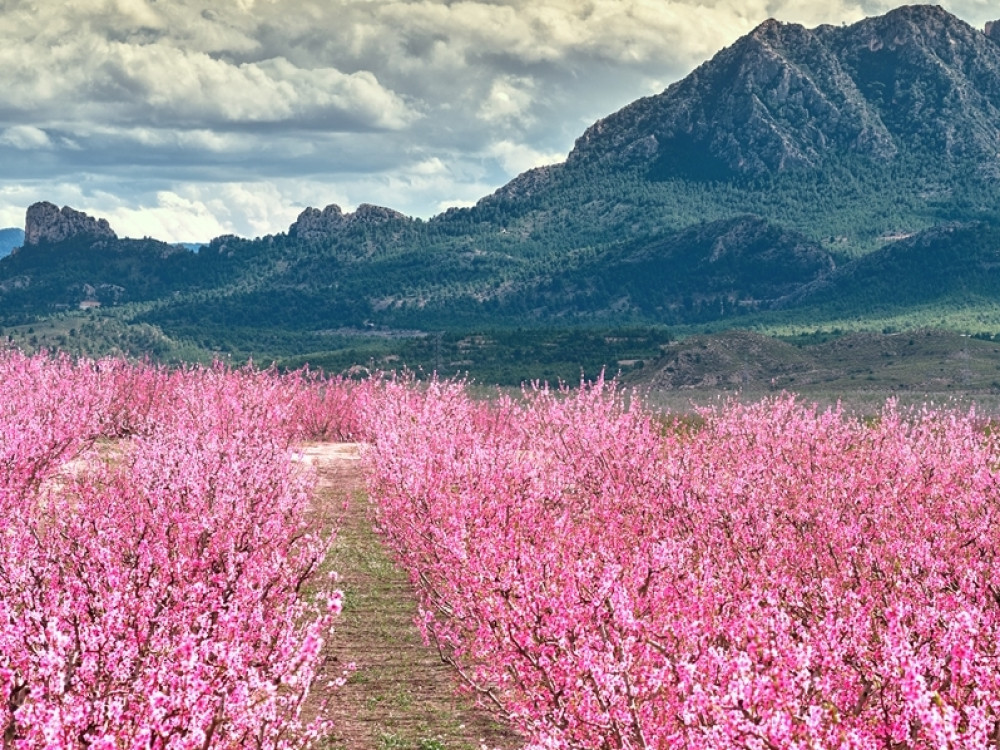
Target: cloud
194, 116
204, 89
171, 216
161, 84
25, 138
510, 98
516, 158
197, 213
188, 140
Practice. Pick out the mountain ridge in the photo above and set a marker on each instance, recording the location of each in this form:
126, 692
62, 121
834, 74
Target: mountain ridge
798, 93
784, 181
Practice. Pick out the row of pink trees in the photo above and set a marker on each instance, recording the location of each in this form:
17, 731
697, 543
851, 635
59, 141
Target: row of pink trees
158, 583
771, 577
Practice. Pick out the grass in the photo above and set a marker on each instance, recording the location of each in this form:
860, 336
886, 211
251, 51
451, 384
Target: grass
400, 694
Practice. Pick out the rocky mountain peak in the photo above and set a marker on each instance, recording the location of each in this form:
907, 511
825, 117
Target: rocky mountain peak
45, 223
927, 28
933, 79
775, 33
367, 213
921, 15
313, 224
785, 97
524, 186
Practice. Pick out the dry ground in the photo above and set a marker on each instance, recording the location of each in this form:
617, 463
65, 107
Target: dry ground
400, 694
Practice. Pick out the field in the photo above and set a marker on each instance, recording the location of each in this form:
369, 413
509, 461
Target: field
595, 574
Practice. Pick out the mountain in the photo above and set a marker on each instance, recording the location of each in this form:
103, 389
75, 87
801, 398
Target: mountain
699, 273
9, 239
947, 262
799, 179
916, 80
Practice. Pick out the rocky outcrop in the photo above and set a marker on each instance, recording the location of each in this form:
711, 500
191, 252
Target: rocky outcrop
366, 213
993, 30
45, 223
933, 79
525, 185
313, 224
732, 359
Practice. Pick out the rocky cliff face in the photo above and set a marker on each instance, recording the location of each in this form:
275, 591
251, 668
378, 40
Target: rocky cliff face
993, 30
933, 79
313, 224
785, 96
45, 222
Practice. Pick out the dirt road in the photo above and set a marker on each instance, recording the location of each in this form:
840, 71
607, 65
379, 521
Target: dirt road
400, 694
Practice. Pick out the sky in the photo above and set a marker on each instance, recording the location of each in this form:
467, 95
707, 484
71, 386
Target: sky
188, 119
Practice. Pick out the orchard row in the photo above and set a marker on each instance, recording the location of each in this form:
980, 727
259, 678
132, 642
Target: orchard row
158, 574
763, 576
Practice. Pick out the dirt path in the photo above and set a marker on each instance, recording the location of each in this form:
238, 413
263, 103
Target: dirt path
400, 696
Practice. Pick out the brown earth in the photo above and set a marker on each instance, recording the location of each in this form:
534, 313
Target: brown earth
400, 694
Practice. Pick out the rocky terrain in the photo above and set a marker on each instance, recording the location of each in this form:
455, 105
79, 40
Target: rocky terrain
913, 362
47, 223
313, 224
786, 97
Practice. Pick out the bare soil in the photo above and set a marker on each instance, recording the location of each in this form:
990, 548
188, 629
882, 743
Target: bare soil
399, 694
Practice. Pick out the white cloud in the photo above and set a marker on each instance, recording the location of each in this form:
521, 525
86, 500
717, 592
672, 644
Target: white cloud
198, 212
159, 83
444, 205
272, 90
172, 219
430, 167
25, 138
197, 139
510, 98
516, 158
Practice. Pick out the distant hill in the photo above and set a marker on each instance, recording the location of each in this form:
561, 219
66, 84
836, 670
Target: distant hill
921, 361
9, 239
799, 179
949, 263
